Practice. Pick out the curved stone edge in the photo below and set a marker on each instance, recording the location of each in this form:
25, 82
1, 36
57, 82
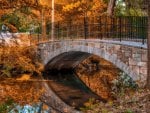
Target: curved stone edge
52, 100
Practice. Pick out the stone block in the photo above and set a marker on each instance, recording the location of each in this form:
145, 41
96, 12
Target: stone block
144, 57
117, 47
97, 45
91, 44
137, 51
119, 54
136, 55
143, 77
142, 64
128, 54
136, 69
143, 70
134, 76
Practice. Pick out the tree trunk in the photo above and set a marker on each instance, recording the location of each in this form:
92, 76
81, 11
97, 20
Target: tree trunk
110, 9
43, 23
148, 43
53, 21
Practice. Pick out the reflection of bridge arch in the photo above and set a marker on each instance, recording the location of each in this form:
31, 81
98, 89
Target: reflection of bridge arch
130, 59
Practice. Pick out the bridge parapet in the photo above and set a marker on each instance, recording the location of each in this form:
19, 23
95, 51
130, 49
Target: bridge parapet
129, 58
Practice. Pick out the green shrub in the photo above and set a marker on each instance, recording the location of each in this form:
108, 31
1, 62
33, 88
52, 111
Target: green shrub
129, 111
7, 106
123, 82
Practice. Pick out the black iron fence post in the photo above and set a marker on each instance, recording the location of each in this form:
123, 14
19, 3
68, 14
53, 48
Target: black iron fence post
120, 29
58, 27
100, 28
113, 28
145, 27
85, 28
70, 30
38, 35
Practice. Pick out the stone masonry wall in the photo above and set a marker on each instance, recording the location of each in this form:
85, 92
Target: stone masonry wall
130, 59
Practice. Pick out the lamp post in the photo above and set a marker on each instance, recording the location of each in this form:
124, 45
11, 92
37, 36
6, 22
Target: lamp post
52, 21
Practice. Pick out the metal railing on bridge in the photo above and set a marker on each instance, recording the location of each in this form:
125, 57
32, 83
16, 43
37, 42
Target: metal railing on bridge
128, 28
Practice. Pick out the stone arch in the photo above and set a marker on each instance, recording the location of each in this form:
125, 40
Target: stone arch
96, 51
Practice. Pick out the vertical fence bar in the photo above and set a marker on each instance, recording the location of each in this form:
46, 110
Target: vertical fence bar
131, 27
58, 30
117, 25
67, 30
106, 27
140, 29
105, 24
139, 26
70, 27
89, 28
85, 29
124, 27
145, 28
102, 27
109, 28
38, 34
99, 28
113, 28
137, 29
134, 27
137, 35
120, 28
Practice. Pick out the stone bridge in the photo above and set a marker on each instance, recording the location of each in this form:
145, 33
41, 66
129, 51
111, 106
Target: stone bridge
129, 57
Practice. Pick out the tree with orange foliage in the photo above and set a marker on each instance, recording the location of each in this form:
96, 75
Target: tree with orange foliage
84, 8
7, 4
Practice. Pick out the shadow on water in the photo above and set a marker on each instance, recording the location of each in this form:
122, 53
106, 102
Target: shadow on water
65, 83
71, 89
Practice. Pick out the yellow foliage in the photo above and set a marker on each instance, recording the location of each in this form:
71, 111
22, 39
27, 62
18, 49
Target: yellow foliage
6, 4
19, 60
99, 7
82, 7
45, 2
71, 6
24, 77
22, 92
